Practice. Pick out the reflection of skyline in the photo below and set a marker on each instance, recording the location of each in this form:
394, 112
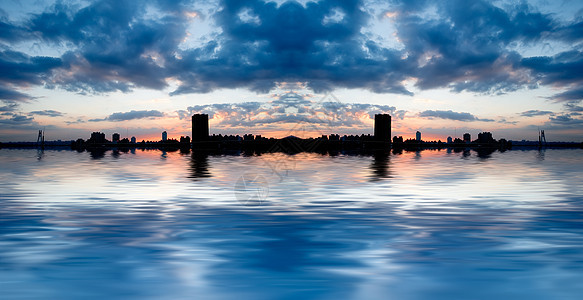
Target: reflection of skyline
280, 164
312, 239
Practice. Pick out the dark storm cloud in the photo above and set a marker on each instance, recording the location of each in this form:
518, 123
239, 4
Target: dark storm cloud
21, 70
467, 48
11, 95
291, 42
117, 45
11, 32
563, 69
15, 120
573, 107
568, 120
131, 115
8, 107
47, 112
534, 112
452, 115
573, 95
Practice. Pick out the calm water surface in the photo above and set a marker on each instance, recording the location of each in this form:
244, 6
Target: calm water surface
416, 225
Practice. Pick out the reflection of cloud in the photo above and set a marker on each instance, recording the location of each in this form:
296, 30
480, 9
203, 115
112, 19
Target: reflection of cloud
292, 108
451, 115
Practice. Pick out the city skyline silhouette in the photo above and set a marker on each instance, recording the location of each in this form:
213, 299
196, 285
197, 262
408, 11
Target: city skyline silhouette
291, 149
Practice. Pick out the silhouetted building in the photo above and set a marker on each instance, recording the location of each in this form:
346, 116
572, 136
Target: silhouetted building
449, 140
382, 127
133, 140
485, 138
97, 138
115, 137
467, 137
185, 140
397, 140
418, 136
200, 127
164, 136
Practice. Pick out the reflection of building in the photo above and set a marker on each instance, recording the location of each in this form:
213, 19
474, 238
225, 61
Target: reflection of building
467, 137
418, 136
133, 140
199, 166
200, 127
380, 166
382, 127
115, 137
164, 136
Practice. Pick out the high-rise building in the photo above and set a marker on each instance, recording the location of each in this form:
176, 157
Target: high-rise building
467, 137
133, 140
164, 136
115, 137
449, 140
200, 127
418, 136
382, 127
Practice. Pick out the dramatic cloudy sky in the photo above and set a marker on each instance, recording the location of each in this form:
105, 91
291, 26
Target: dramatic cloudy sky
291, 67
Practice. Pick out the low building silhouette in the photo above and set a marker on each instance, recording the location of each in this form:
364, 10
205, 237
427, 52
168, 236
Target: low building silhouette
485, 138
185, 140
97, 138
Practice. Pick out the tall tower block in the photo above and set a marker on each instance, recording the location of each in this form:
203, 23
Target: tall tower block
200, 127
382, 127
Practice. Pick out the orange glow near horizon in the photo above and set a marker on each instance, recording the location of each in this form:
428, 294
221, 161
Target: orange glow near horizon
258, 124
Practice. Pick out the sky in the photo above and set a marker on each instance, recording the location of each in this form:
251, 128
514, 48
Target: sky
280, 68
